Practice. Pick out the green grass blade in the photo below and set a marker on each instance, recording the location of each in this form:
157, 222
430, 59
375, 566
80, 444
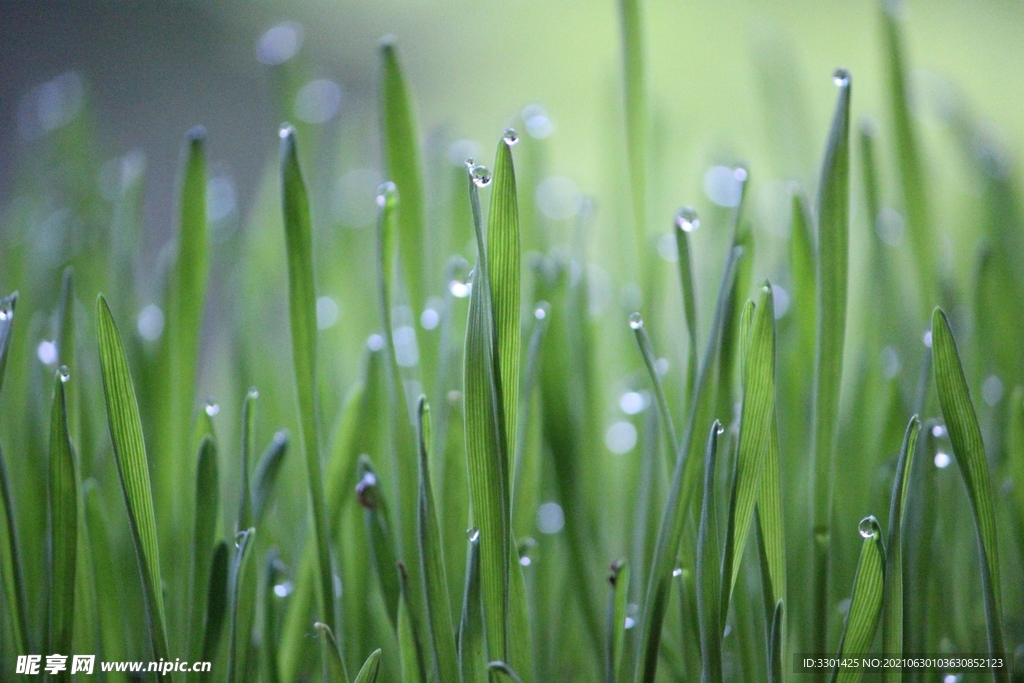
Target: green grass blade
643, 341
831, 277
435, 581
66, 349
63, 494
616, 635
472, 646
637, 118
402, 167
709, 568
267, 471
412, 665
8, 306
204, 534
683, 486
770, 526
272, 573
685, 223
371, 667
775, 645
240, 590
110, 621
503, 247
969, 450
133, 469
757, 422
302, 314
382, 540
892, 623
504, 672
245, 511
217, 605
333, 667
865, 602
486, 447
908, 161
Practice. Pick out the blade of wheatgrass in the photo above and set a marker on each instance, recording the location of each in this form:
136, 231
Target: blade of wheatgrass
333, 667
969, 451
402, 167
892, 621
504, 672
10, 559
681, 491
686, 222
486, 446
709, 567
302, 314
204, 536
410, 654
133, 469
643, 341
775, 645
217, 599
908, 160
831, 279
435, 581
865, 602
472, 646
1015, 450
272, 572
63, 494
267, 470
110, 621
618, 601
245, 513
241, 587
371, 667
66, 349
637, 119
382, 540
757, 422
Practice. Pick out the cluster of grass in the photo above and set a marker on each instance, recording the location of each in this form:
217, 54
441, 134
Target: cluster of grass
787, 491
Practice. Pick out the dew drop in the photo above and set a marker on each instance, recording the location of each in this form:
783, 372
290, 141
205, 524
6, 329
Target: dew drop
510, 136
480, 175
287, 130
630, 623
720, 430
942, 460
253, 393
211, 407
868, 526
6, 310
284, 589
939, 431
687, 219
636, 321
927, 338
460, 289
385, 191
473, 534
239, 537
525, 561
841, 77
677, 572
366, 491
64, 374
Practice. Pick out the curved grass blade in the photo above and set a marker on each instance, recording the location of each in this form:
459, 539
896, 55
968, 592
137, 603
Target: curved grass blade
911, 173
643, 341
892, 623
775, 645
245, 512
133, 469
402, 167
412, 665
865, 602
63, 494
831, 277
267, 471
216, 603
10, 559
435, 582
505, 671
709, 567
302, 314
371, 667
637, 124
204, 536
240, 590
472, 647
617, 603
757, 422
969, 450
378, 529
333, 666
683, 486
687, 221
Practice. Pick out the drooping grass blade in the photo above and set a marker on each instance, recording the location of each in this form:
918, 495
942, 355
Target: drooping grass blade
472, 646
371, 667
435, 582
217, 604
240, 589
831, 281
618, 601
969, 451
379, 530
402, 166
892, 623
267, 471
205, 527
709, 568
865, 602
643, 340
333, 666
63, 494
302, 315
133, 469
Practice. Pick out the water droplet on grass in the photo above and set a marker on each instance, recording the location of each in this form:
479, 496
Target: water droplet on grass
284, 589
939, 431
636, 321
510, 137
64, 374
687, 219
473, 534
541, 311
868, 527
211, 407
942, 460
841, 77
385, 191
480, 174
